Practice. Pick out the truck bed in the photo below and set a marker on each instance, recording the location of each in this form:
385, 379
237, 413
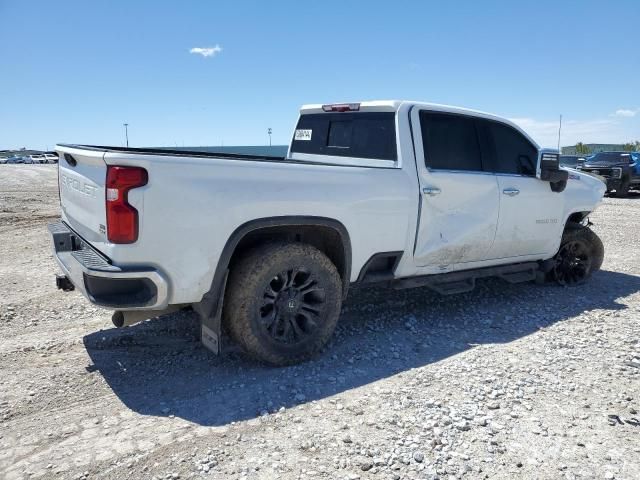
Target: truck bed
203, 152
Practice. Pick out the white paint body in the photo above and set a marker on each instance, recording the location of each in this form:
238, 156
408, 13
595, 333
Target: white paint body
192, 205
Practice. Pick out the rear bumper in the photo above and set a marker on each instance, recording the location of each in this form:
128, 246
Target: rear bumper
101, 282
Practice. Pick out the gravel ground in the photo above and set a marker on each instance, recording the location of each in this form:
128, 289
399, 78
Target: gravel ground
508, 381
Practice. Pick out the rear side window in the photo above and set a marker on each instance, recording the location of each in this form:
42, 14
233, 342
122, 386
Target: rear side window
450, 142
508, 150
360, 135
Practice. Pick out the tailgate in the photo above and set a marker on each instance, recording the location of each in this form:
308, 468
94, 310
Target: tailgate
81, 180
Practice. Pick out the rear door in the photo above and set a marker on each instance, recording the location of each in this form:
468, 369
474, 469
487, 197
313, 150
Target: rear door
459, 201
81, 180
529, 220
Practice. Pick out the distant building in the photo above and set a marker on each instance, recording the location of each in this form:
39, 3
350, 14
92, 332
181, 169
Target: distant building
593, 148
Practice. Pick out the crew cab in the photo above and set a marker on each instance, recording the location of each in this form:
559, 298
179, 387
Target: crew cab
395, 193
620, 169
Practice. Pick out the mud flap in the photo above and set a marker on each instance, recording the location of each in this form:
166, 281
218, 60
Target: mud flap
210, 339
211, 321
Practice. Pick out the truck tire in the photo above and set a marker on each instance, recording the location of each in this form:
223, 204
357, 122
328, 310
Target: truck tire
581, 253
282, 302
623, 190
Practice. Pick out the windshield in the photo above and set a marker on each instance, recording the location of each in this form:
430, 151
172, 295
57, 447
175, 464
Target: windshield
568, 160
611, 157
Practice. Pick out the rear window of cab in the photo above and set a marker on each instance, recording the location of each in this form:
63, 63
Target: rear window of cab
360, 135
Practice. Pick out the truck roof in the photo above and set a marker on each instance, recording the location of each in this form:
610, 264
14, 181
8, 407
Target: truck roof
394, 105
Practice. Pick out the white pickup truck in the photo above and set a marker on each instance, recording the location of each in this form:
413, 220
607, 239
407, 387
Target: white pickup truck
398, 193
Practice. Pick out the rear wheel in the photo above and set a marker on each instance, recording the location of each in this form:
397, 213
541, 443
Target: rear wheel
581, 253
283, 301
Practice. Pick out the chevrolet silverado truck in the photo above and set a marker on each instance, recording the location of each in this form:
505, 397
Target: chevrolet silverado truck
395, 193
620, 169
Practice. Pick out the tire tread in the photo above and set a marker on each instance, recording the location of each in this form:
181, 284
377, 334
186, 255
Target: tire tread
246, 279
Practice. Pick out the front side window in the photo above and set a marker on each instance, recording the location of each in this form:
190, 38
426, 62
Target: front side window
508, 150
359, 135
450, 142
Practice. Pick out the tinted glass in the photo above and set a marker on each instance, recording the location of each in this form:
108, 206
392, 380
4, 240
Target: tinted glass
340, 134
568, 160
360, 135
450, 142
611, 157
509, 151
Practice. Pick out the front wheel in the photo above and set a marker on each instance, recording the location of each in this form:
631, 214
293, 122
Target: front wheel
623, 190
282, 302
581, 253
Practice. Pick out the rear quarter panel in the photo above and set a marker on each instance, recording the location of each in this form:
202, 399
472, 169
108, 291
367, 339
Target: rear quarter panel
192, 205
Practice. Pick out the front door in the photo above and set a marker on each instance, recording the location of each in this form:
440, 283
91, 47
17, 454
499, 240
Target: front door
530, 211
459, 202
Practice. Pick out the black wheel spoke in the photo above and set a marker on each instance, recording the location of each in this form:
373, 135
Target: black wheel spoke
310, 322
286, 328
291, 307
311, 288
310, 308
297, 331
270, 293
269, 319
306, 284
572, 263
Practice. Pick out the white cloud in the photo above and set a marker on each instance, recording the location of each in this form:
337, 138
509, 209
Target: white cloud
606, 130
206, 51
625, 112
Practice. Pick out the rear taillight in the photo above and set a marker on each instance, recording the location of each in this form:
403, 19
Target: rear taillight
122, 218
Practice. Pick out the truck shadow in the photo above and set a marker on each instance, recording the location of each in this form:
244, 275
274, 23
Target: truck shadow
632, 195
159, 367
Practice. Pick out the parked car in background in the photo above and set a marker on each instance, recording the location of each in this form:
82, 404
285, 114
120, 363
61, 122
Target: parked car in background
37, 158
620, 169
14, 159
3, 160
50, 158
571, 161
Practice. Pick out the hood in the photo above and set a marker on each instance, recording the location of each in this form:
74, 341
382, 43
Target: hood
605, 164
591, 179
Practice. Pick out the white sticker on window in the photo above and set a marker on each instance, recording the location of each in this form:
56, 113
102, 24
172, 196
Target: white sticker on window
304, 135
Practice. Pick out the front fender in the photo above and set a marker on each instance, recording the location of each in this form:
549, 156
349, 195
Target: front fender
584, 193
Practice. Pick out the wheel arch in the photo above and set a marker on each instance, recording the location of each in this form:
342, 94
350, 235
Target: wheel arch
322, 232
576, 217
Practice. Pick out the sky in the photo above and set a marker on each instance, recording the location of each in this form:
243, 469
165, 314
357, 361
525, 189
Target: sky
196, 73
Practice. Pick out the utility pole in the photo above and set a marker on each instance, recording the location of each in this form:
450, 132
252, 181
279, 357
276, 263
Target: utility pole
126, 133
559, 131
269, 132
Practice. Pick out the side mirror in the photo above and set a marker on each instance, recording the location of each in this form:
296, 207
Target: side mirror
551, 172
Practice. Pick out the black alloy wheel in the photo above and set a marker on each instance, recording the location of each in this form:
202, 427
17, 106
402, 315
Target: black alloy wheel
572, 263
292, 306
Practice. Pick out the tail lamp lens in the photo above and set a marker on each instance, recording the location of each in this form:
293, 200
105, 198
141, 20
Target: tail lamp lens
122, 218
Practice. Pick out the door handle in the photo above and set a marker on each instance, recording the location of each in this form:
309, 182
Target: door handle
512, 192
431, 191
